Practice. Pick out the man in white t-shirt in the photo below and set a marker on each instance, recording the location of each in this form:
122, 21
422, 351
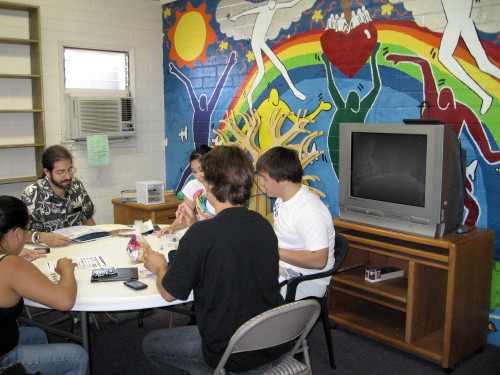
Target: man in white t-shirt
302, 223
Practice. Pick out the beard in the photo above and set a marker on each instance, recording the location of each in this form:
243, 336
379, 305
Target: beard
64, 184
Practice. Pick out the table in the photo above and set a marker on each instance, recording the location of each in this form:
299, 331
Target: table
105, 296
127, 212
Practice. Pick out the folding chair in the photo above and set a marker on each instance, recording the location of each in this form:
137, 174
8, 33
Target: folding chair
274, 327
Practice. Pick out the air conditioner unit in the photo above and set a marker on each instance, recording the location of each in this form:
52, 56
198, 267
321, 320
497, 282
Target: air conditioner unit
112, 116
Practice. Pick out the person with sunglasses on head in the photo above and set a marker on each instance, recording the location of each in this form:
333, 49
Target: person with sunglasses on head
196, 206
20, 279
57, 200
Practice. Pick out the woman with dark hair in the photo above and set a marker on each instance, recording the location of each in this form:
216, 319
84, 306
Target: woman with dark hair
20, 279
195, 206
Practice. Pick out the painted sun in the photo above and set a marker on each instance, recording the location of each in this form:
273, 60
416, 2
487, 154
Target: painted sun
190, 36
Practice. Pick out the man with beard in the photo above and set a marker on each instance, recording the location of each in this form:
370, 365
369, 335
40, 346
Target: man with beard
57, 200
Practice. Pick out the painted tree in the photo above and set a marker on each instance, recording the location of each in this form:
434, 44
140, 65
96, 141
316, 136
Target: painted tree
232, 133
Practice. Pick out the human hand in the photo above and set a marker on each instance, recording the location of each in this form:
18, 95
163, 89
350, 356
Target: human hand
325, 106
64, 264
145, 248
54, 239
166, 230
154, 262
185, 215
31, 255
232, 58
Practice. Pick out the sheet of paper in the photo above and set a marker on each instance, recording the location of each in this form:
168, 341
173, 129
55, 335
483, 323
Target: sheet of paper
78, 231
90, 262
97, 150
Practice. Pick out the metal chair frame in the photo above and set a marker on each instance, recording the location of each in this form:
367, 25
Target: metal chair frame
274, 327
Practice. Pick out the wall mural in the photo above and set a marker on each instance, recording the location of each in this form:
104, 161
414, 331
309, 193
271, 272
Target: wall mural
287, 72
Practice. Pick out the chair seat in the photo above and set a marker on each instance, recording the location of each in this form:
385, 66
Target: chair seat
288, 366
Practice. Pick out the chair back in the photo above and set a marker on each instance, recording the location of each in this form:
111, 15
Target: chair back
341, 249
340, 252
274, 327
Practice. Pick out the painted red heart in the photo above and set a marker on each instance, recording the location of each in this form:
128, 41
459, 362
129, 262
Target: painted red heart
349, 51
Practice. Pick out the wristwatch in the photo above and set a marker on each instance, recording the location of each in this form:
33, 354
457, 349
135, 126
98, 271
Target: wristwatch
35, 238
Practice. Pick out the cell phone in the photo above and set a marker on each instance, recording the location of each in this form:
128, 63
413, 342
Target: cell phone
134, 284
46, 249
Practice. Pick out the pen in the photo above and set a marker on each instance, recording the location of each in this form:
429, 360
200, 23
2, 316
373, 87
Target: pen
102, 260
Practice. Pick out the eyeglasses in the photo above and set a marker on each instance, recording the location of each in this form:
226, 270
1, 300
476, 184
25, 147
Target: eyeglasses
71, 170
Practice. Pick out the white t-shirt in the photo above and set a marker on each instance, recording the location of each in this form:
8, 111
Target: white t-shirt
195, 191
305, 223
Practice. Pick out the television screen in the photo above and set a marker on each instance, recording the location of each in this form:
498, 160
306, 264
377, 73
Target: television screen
407, 178
389, 167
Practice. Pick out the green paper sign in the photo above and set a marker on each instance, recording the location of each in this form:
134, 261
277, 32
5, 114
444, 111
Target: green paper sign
97, 150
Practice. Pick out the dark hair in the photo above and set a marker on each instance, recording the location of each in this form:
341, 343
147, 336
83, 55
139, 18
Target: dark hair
229, 171
53, 154
13, 214
198, 152
282, 164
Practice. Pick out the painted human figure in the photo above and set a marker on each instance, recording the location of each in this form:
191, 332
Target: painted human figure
202, 110
273, 103
330, 25
459, 24
353, 109
443, 106
265, 14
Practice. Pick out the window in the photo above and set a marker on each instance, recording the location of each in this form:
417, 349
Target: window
96, 70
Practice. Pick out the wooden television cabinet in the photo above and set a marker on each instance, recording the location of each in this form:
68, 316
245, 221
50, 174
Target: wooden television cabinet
438, 310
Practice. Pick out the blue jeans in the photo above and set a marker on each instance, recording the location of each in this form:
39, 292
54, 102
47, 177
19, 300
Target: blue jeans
34, 352
180, 347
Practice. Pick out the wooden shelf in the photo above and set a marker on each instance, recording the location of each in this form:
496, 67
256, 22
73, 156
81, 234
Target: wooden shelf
23, 76
395, 289
23, 145
17, 40
429, 312
32, 14
21, 110
18, 179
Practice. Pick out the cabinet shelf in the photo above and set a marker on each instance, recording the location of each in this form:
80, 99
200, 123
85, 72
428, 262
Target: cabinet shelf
24, 145
393, 289
21, 110
428, 311
21, 76
17, 40
27, 18
387, 326
18, 179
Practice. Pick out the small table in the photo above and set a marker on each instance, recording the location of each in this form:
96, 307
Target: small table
127, 212
105, 296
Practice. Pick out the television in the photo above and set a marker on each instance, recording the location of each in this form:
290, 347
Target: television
408, 178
